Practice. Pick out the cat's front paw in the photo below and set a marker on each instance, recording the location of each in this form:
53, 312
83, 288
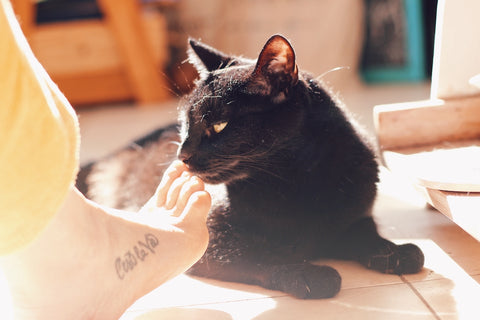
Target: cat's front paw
397, 259
411, 259
305, 281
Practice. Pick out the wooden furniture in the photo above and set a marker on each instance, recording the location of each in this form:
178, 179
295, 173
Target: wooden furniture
437, 142
117, 58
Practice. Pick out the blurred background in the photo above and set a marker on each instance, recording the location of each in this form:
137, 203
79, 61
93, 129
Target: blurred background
122, 64
109, 51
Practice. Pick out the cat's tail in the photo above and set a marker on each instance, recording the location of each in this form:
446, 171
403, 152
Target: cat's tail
168, 134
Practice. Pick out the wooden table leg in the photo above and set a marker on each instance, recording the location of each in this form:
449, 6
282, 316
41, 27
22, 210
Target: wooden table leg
124, 19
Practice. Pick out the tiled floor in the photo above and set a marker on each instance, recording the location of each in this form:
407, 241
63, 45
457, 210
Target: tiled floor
448, 287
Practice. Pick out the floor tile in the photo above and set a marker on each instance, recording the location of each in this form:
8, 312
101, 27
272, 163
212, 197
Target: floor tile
106, 129
447, 288
355, 275
383, 302
244, 309
188, 291
185, 290
438, 265
451, 299
192, 292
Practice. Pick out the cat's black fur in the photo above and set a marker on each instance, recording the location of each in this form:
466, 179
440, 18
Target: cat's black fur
300, 178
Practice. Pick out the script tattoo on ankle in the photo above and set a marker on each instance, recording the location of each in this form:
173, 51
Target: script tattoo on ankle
138, 253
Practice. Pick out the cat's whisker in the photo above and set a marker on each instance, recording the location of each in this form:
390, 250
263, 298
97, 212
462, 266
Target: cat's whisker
332, 70
249, 161
265, 170
185, 78
178, 93
230, 63
177, 143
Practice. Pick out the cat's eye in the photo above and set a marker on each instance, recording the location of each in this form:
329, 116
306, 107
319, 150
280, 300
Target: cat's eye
219, 127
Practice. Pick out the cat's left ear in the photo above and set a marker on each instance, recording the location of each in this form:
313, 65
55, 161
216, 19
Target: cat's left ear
276, 70
205, 58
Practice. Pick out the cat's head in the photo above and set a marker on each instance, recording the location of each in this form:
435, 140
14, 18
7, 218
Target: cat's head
242, 112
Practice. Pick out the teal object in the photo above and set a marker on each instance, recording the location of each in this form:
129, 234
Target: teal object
414, 68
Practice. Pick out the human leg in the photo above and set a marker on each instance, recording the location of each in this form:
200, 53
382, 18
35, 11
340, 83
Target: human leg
92, 262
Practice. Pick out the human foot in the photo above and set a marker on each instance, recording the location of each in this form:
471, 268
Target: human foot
93, 263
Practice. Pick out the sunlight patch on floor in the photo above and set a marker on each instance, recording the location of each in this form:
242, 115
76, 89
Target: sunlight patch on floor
444, 285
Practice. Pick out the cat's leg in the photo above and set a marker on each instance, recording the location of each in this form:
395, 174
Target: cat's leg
362, 243
302, 280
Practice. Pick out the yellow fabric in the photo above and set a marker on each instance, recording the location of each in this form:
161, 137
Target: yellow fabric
38, 140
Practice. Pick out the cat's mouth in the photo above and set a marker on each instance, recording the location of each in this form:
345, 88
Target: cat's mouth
225, 174
219, 178
212, 178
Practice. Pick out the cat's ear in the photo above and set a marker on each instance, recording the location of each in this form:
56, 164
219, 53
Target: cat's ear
276, 70
206, 58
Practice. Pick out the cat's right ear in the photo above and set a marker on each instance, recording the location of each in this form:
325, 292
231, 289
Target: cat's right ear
205, 58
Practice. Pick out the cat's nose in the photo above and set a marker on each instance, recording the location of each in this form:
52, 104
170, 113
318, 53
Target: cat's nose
184, 157
185, 160
187, 150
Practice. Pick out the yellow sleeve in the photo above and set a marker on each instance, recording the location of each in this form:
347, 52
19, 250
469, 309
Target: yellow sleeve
38, 140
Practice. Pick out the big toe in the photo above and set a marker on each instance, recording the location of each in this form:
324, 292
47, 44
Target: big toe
198, 206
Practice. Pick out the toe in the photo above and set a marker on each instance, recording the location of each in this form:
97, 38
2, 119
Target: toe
175, 191
192, 185
411, 259
197, 207
174, 171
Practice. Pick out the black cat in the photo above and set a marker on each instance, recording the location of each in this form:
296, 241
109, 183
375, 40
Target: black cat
299, 178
